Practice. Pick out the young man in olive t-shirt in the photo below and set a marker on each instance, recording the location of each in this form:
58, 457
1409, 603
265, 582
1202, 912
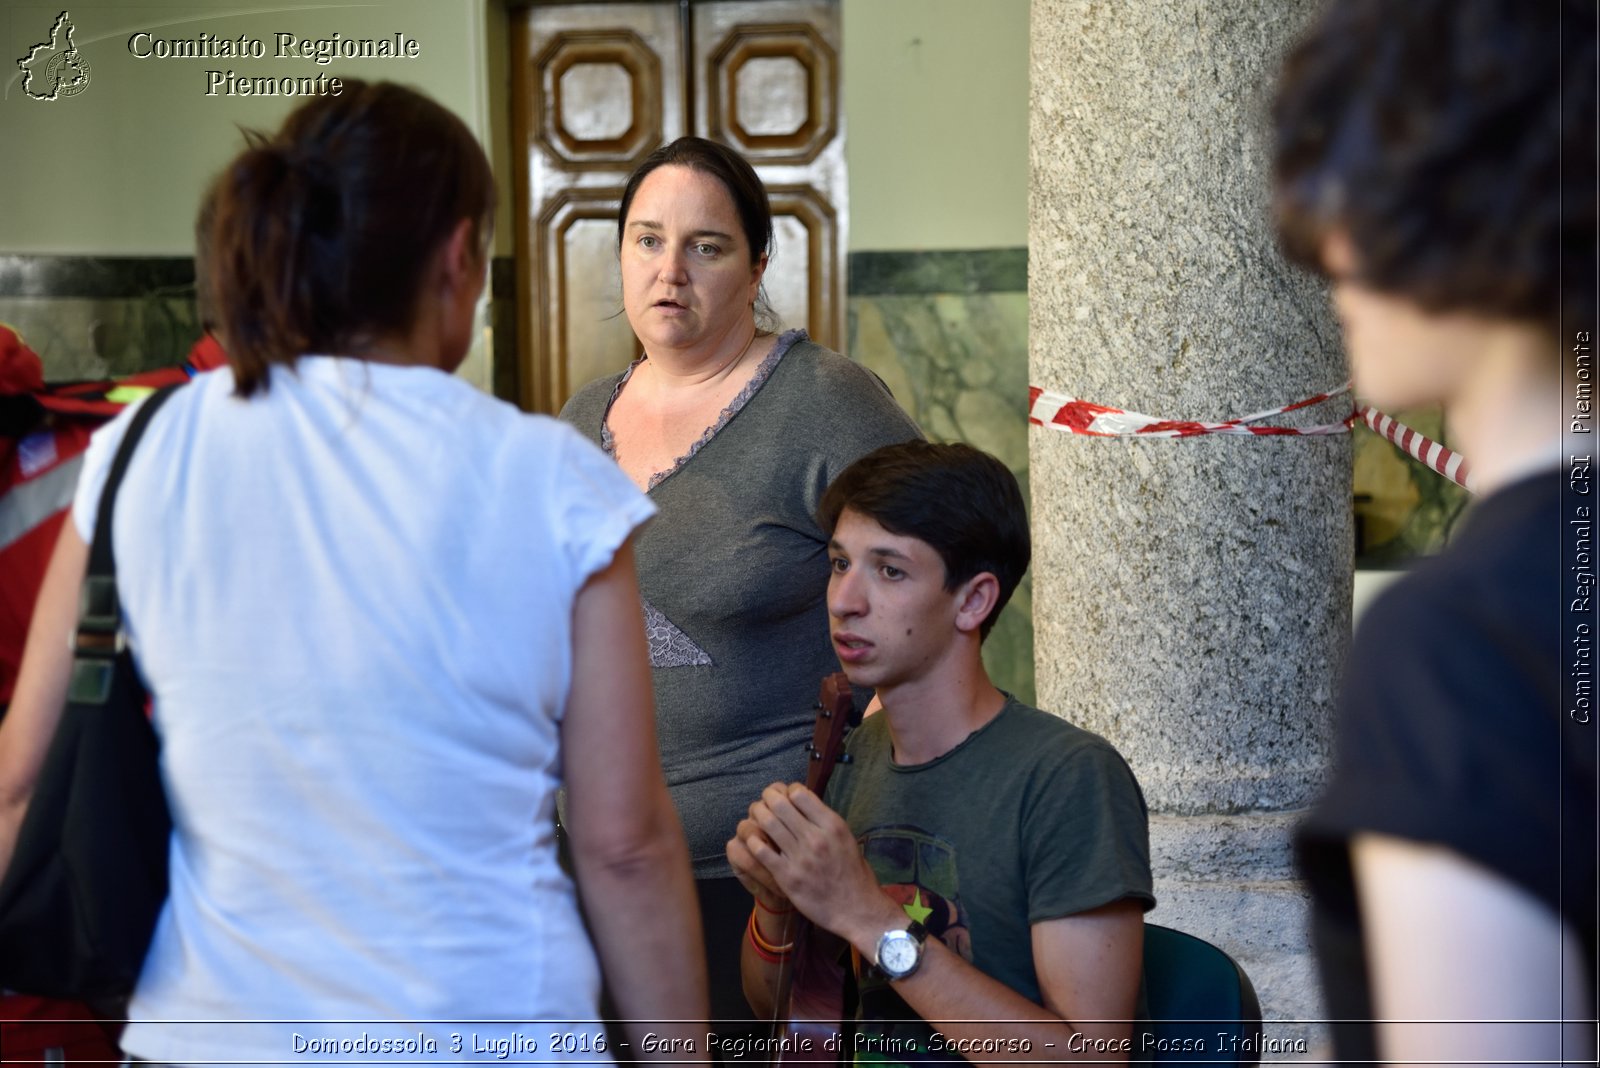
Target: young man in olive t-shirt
984, 861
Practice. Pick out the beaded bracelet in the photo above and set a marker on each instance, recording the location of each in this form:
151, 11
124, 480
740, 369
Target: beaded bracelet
766, 950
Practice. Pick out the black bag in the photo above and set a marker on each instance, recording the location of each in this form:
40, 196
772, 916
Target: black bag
89, 874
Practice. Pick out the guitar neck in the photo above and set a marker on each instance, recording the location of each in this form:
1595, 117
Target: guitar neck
836, 716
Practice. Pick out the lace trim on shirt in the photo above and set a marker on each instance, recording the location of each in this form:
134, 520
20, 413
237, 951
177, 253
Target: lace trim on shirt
786, 341
670, 647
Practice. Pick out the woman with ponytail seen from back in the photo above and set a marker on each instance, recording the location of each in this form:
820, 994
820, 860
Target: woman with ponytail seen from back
383, 618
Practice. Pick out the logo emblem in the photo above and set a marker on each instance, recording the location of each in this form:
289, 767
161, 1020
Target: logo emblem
55, 69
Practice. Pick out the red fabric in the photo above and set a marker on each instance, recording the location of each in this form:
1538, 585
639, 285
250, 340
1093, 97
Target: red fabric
22, 564
76, 410
207, 355
89, 398
21, 370
23, 559
30, 1026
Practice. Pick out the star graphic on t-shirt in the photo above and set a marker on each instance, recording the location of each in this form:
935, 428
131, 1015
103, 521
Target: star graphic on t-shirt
916, 909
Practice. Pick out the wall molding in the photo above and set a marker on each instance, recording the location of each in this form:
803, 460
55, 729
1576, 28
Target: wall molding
94, 277
989, 270
1001, 270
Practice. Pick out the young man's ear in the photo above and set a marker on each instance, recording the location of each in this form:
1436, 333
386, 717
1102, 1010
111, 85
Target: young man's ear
975, 601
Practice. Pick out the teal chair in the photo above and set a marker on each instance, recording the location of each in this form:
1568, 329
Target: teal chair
1203, 1009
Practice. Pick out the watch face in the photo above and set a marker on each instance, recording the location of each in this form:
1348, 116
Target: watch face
898, 953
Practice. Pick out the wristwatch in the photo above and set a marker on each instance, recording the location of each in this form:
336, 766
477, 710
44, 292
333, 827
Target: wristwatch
900, 951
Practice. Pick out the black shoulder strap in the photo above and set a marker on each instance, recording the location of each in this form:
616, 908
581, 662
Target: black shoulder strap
102, 562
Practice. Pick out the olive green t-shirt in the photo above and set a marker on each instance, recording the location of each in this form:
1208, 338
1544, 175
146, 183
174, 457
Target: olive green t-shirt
1029, 819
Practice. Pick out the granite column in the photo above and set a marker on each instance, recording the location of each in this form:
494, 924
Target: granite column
1191, 596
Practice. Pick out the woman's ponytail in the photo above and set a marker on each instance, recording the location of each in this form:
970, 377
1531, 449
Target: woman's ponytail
319, 235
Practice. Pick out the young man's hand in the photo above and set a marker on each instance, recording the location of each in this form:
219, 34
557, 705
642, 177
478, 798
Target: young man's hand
751, 872
793, 849
799, 849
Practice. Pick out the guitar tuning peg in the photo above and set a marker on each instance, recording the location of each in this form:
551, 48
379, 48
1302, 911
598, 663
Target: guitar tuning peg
846, 758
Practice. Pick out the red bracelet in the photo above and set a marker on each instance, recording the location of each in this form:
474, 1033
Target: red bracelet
773, 912
765, 950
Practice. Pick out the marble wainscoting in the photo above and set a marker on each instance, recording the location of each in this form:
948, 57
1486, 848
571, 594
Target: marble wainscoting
948, 331
92, 317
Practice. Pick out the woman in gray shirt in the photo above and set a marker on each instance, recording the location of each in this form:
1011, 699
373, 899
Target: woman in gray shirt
734, 432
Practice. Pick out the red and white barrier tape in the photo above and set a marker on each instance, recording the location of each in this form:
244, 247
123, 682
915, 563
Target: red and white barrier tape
1061, 412
1451, 465
1057, 411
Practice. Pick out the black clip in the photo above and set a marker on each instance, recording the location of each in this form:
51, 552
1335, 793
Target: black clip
97, 642
91, 680
99, 618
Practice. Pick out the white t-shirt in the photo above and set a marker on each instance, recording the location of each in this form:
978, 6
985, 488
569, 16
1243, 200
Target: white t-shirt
352, 599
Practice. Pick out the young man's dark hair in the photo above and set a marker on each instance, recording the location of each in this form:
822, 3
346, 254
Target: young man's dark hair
963, 502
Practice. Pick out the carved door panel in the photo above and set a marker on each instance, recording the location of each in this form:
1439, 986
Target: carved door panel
596, 88
770, 77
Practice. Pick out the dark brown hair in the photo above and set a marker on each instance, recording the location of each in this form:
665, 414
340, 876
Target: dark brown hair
960, 500
321, 233
204, 295
1443, 137
744, 188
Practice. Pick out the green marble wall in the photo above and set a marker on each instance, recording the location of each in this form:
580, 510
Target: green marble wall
98, 317
93, 317
948, 331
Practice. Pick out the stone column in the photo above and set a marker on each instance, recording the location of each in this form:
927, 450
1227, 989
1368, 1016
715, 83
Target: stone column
1191, 596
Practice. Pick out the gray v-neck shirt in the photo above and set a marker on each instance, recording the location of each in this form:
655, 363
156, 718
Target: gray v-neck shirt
734, 572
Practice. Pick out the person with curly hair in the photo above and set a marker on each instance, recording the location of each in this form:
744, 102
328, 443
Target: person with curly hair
1435, 160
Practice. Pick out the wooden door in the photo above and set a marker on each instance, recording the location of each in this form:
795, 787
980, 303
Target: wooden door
596, 88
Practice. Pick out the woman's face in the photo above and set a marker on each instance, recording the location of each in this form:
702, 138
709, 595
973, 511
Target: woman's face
1401, 355
687, 280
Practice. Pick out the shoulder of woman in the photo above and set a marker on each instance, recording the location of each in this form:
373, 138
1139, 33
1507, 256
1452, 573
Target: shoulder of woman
587, 406
824, 362
837, 379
